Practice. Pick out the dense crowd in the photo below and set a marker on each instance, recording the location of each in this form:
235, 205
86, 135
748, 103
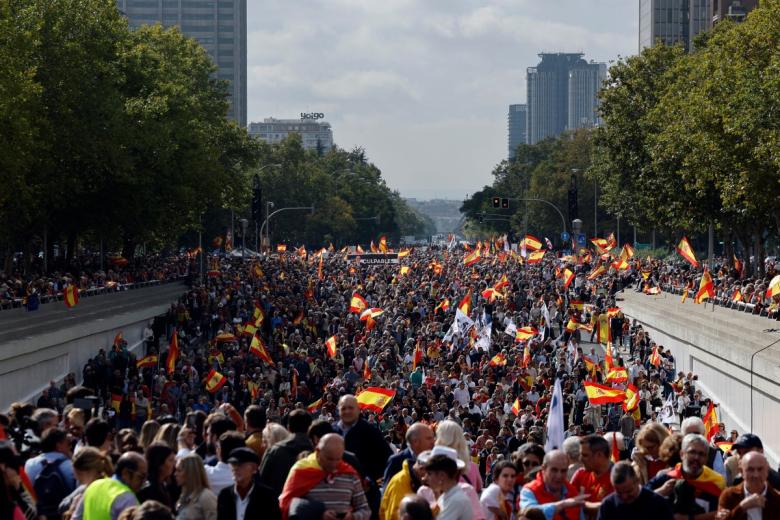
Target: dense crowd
311, 385
18, 285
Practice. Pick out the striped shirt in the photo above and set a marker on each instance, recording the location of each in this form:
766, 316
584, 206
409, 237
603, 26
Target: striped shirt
342, 493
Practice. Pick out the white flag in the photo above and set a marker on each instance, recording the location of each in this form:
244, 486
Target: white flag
462, 322
511, 329
483, 341
667, 415
555, 420
546, 314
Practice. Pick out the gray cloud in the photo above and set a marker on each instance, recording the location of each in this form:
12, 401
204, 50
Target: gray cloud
423, 85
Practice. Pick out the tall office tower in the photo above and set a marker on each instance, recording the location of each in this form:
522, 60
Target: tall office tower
553, 92
517, 126
585, 81
734, 10
700, 18
665, 20
220, 26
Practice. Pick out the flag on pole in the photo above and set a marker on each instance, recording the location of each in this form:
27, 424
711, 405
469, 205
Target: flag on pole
706, 288
173, 353
258, 348
655, 358
374, 398
357, 304
615, 456
315, 406
214, 381
600, 394
686, 251
526, 333
465, 304
472, 258
443, 306
330, 345
532, 243
774, 287
516, 407
147, 361
711, 426
499, 360
568, 278
555, 420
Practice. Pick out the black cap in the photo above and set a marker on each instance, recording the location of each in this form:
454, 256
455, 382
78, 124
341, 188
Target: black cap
748, 441
242, 455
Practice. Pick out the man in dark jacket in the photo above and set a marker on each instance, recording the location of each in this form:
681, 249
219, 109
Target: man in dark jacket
754, 497
278, 461
630, 499
247, 498
419, 438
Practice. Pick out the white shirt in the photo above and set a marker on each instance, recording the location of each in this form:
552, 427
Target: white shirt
754, 513
219, 476
242, 503
462, 396
491, 497
454, 505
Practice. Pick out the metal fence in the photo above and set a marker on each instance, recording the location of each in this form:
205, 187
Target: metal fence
749, 308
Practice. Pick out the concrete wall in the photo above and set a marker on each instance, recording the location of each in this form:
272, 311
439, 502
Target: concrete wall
29, 362
717, 344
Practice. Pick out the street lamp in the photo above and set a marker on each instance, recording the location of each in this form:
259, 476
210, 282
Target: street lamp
244, 223
268, 206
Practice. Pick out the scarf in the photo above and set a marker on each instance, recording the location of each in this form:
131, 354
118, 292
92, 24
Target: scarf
708, 482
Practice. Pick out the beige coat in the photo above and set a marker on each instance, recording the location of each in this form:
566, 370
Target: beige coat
202, 507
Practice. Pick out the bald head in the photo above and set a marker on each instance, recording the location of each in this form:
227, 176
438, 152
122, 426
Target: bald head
755, 470
330, 451
349, 412
131, 469
419, 438
554, 468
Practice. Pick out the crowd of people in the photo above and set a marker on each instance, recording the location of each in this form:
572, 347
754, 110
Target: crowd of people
313, 385
18, 287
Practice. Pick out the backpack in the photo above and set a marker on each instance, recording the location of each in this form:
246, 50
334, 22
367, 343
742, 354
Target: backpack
50, 488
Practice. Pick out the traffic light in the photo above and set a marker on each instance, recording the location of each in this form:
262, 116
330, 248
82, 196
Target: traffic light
505, 203
257, 204
496, 202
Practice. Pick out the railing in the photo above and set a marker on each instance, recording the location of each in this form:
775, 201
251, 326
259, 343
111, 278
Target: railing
728, 303
109, 288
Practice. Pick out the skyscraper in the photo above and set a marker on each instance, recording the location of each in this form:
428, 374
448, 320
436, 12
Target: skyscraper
665, 20
680, 21
562, 92
220, 26
517, 126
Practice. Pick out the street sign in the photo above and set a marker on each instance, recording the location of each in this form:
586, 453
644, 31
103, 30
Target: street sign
374, 258
581, 240
565, 236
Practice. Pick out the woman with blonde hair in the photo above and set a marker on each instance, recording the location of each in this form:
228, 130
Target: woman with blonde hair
148, 433
273, 433
450, 434
645, 458
169, 434
89, 465
197, 501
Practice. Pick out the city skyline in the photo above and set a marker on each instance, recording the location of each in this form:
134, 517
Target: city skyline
423, 86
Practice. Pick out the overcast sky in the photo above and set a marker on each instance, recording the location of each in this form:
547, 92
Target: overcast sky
422, 85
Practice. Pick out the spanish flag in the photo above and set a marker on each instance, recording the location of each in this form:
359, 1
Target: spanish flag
357, 304
444, 306
632, 398
706, 288
472, 258
383, 244
373, 312
516, 406
404, 253
615, 456
298, 318
686, 251
418, 355
627, 252
568, 278
617, 375
281, 248
258, 316
225, 337
774, 287
710, 481
147, 361
526, 356
465, 303
526, 333
590, 365
597, 272
258, 348
71, 296
499, 360
602, 246
214, 381
330, 344
611, 242
313, 407
710, 419
304, 476
491, 293
375, 398
116, 401
600, 394
621, 264
655, 358
532, 243
534, 257
404, 270
725, 447
366, 371
737, 297
320, 274
250, 329
173, 353
373, 248
359, 250
254, 389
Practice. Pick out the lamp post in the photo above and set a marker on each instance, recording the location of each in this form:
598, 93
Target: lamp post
244, 222
255, 189
268, 206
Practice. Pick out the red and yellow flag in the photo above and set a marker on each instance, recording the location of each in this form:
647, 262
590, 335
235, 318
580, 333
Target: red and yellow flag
534, 257
330, 345
472, 258
173, 353
706, 288
465, 303
632, 398
147, 361
281, 248
71, 296
373, 248
499, 360
383, 244
600, 394
516, 406
532, 243
526, 356
568, 277
374, 398
617, 375
597, 272
403, 253
615, 456
254, 389
686, 251
214, 381
320, 274
357, 304
710, 419
313, 407
611, 242
526, 333
655, 358
737, 297
373, 312
418, 356
258, 348
116, 401
774, 287
627, 252
444, 306
366, 371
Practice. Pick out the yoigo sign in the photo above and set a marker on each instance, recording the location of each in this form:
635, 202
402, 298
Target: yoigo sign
312, 115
